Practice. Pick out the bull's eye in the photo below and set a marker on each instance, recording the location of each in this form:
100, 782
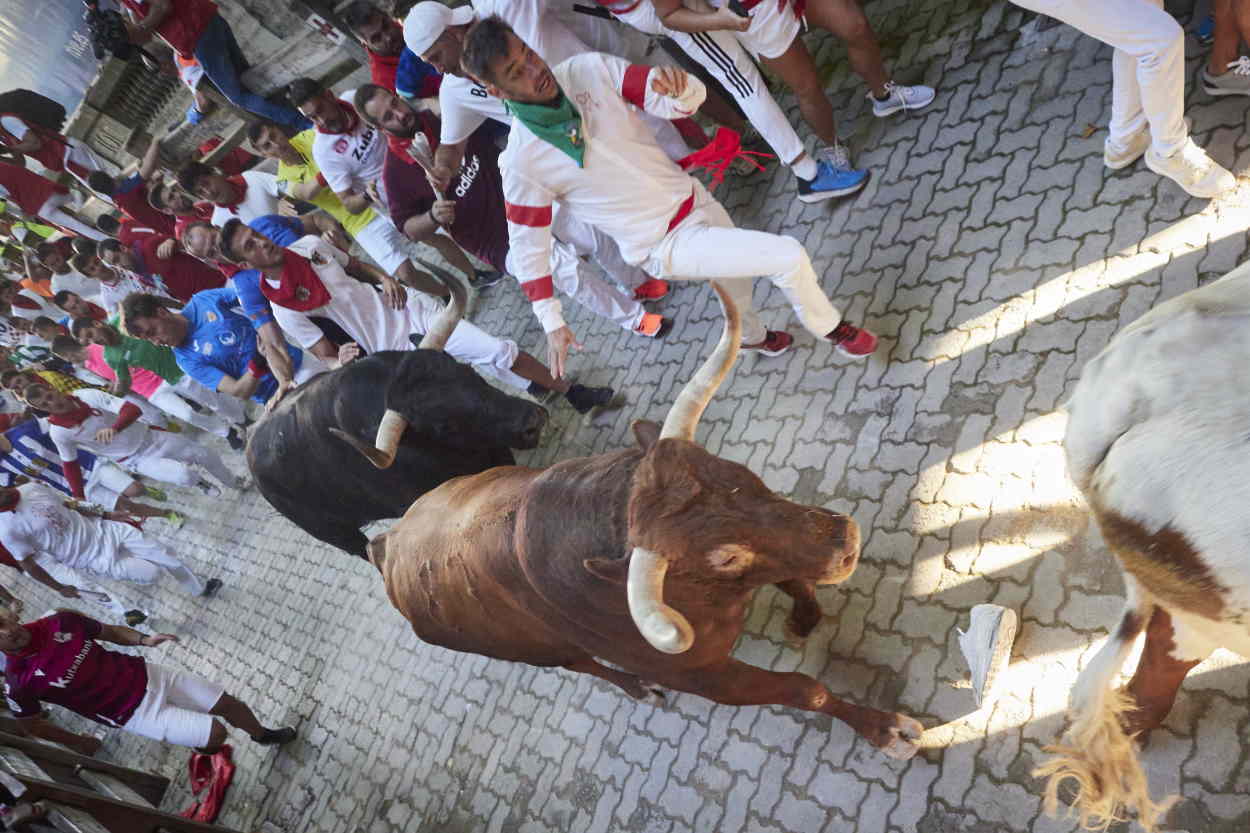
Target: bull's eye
730, 559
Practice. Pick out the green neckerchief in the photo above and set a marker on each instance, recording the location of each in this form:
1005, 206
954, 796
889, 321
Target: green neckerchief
559, 126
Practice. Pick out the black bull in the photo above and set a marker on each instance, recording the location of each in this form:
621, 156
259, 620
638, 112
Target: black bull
457, 424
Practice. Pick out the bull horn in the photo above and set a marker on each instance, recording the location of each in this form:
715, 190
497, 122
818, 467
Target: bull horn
662, 626
385, 444
683, 416
436, 337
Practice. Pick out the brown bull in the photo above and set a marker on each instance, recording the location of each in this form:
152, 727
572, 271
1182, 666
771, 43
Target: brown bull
645, 558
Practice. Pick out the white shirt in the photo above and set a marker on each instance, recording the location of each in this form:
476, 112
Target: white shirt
45, 307
629, 188
41, 523
78, 283
355, 306
463, 105
132, 440
260, 198
127, 283
536, 23
351, 161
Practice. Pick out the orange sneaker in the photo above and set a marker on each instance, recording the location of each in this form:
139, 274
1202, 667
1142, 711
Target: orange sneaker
654, 325
652, 289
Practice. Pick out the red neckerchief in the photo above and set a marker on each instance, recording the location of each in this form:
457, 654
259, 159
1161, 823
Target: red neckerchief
399, 145
75, 417
24, 303
240, 185
299, 288
204, 210
353, 120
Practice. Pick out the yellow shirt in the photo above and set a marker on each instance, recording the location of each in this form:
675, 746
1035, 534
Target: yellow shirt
325, 199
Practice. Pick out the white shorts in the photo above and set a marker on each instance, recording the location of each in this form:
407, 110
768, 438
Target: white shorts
176, 707
772, 30
106, 483
384, 243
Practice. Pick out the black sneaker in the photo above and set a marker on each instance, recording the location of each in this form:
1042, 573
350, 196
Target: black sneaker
236, 439
211, 587
135, 617
584, 399
485, 279
276, 737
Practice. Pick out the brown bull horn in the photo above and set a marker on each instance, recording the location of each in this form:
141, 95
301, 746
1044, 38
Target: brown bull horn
662, 626
683, 416
440, 330
385, 444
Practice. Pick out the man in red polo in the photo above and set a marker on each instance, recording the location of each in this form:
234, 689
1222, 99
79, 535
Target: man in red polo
131, 194
55, 151
194, 29
60, 659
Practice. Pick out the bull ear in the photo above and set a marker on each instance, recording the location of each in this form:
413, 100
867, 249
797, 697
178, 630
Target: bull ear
614, 570
646, 432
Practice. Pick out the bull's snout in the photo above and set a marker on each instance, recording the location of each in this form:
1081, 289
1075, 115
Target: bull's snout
845, 552
532, 429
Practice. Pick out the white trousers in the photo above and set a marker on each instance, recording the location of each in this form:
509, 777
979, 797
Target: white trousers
227, 407
468, 343
106, 483
576, 278
725, 59
1147, 68
167, 399
51, 211
706, 246
384, 243
116, 605
169, 458
132, 556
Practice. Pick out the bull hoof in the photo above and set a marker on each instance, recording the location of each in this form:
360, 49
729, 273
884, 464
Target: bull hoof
903, 738
803, 621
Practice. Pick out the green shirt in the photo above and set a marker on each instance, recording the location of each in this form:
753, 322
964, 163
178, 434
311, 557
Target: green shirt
139, 353
325, 199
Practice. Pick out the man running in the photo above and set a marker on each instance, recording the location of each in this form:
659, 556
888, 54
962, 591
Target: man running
597, 159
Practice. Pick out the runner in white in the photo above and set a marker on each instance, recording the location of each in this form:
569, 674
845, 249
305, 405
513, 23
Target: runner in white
311, 277
105, 425
598, 160
55, 151
35, 520
349, 152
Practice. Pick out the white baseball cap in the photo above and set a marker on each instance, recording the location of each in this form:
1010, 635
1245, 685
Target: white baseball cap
426, 21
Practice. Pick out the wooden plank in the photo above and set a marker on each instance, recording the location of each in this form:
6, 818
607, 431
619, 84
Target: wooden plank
106, 784
69, 819
116, 816
19, 763
53, 757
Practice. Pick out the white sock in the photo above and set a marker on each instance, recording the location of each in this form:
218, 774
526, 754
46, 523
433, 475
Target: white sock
805, 168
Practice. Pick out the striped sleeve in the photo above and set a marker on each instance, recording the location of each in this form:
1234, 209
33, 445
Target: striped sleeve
528, 207
633, 82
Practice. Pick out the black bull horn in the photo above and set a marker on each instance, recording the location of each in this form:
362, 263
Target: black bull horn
391, 428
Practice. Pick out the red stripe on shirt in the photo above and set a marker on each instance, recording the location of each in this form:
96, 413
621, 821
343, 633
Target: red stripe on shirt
539, 289
634, 85
537, 216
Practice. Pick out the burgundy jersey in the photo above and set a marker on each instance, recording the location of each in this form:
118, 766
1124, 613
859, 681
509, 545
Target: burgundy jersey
481, 225
63, 664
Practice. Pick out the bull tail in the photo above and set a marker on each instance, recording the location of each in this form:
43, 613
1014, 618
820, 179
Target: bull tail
1098, 754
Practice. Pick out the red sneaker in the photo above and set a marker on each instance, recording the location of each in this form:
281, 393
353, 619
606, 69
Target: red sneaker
775, 343
652, 289
853, 341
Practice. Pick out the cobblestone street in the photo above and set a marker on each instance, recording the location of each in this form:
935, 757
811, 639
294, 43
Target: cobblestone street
995, 255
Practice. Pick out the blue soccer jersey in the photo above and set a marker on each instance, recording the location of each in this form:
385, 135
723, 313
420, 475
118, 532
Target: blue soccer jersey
34, 456
221, 341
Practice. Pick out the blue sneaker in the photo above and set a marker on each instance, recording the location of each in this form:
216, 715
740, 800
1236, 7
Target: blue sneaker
1205, 33
831, 182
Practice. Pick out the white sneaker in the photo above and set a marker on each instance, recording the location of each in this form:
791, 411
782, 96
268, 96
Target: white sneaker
986, 646
1136, 145
901, 98
1193, 170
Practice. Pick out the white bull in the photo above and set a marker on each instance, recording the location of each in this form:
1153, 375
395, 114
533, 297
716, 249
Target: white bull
1158, 440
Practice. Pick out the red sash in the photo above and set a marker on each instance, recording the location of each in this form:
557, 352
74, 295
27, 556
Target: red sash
75, 417
240, 185
25, 303
300, 287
